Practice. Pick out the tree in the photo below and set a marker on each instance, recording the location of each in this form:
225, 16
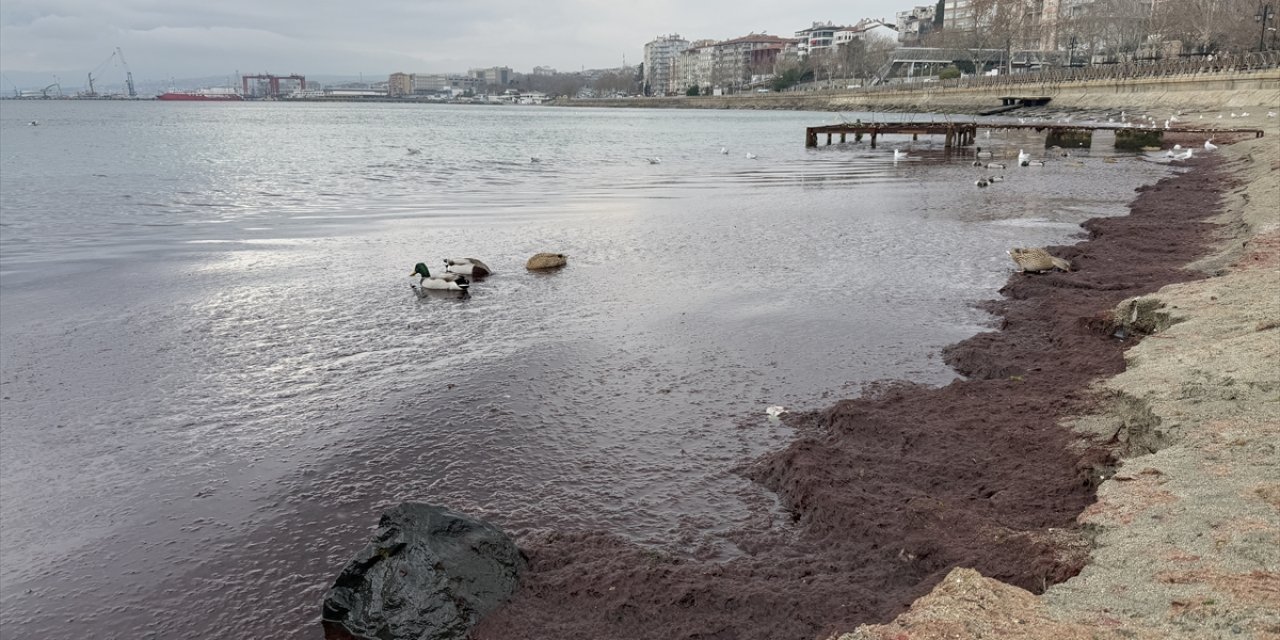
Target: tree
692, 90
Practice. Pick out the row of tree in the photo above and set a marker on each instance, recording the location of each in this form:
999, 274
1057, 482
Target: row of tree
1110, 30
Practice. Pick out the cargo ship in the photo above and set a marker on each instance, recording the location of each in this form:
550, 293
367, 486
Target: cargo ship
213, 95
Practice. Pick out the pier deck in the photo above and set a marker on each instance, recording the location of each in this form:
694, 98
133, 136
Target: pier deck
959, 134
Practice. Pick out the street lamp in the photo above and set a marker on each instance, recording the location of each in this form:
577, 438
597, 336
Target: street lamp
1263, 16
1071, 59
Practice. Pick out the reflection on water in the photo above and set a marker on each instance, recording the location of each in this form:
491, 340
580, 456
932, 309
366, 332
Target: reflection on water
215, 374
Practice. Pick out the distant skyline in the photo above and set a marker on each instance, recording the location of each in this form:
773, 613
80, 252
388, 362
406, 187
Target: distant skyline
188, 38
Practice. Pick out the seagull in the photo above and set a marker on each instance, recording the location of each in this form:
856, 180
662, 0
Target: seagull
1244, 115
899, 155
1185, 155
655, 160
1209, 145
33, 123
1023, 157
1271, 114
724, 151
534, 160
751, 156
413, 152
775, 411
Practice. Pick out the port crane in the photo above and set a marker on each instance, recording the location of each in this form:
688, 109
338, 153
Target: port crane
118, 54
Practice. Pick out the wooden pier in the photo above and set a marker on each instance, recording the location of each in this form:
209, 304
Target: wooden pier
960, 134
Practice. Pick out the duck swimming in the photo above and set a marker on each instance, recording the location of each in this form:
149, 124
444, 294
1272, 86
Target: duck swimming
447, 281
467, 267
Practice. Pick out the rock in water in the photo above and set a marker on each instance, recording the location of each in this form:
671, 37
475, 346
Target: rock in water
428, 574
546, 261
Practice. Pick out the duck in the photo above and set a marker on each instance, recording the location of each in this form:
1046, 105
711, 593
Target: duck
655, 160
1037, 260
1032, 163
978, 163
983, 154
995, 179
449, 281
33, 123
467, 267
1209, 145
981, 182
413, 151
995, 165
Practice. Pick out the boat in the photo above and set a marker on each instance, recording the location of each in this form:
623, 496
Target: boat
206, 95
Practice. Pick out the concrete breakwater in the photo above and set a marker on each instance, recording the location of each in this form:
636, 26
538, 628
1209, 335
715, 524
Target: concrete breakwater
1206, 91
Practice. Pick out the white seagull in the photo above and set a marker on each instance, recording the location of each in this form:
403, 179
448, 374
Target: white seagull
751, 156
1209, 145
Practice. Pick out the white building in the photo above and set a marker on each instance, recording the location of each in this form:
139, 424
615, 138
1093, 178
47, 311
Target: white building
659, 57
821, 35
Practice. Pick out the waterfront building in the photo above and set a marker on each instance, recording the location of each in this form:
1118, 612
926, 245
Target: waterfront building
659, 57
821, 35
492, 76
400, 84
692, 67
747, 60
915, 24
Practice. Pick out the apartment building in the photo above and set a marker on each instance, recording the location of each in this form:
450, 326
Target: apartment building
915, 24
400, 84
659, 58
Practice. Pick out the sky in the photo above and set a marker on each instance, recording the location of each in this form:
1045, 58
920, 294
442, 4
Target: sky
164, 39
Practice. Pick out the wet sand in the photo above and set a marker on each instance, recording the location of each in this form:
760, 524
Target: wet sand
893, 490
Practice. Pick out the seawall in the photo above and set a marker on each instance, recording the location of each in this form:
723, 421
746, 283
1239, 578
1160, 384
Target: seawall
1204, 91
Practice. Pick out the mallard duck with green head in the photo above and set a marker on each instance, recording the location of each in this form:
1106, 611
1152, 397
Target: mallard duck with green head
444, 281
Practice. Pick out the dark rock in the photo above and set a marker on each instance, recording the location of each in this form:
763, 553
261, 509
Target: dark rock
428, 574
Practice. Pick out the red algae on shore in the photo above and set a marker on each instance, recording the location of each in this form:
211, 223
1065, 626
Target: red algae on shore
895, 489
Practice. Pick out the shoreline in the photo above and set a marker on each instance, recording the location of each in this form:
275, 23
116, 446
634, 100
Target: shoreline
1186, 529
896, 489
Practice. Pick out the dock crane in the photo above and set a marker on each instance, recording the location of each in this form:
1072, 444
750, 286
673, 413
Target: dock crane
128, 75
118, 54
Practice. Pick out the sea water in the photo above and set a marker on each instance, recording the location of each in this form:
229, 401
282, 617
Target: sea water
215, 375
